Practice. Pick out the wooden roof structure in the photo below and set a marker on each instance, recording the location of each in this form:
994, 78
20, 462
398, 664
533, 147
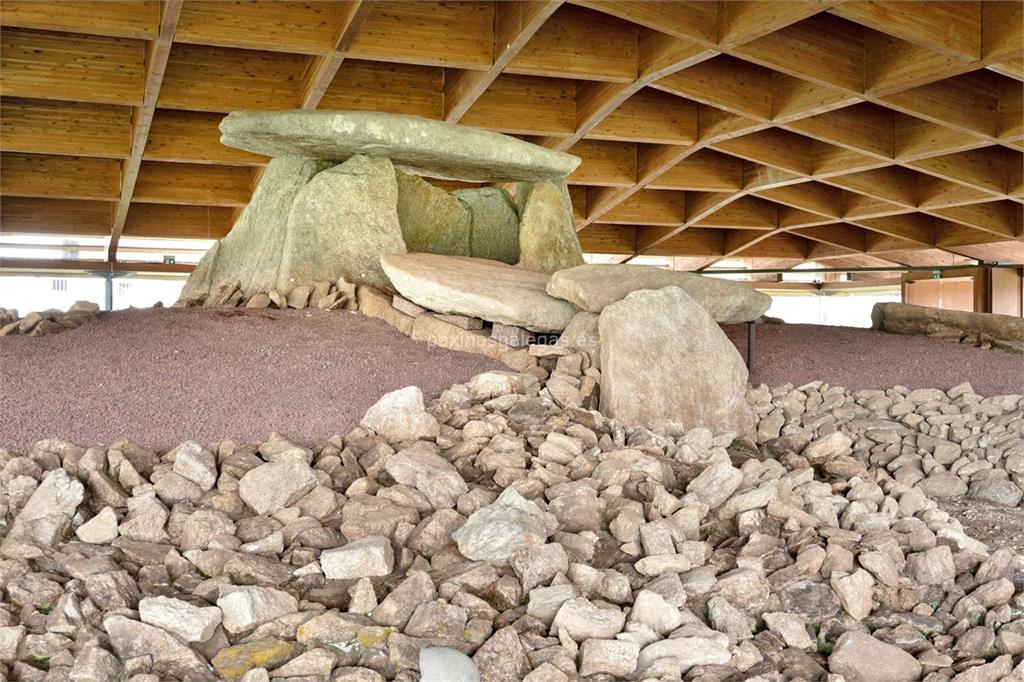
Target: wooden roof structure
849, 133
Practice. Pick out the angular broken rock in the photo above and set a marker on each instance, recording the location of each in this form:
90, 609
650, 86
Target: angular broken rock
170, 657
862, 658
184, 620
701, 380
510, 524
244, 608
45, 517
823, 449
431, 474
474, 287
369, 557
594, 287
100, 529
400, 416
276, 485
580, 619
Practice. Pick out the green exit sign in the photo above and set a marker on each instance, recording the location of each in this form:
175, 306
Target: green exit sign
168, 260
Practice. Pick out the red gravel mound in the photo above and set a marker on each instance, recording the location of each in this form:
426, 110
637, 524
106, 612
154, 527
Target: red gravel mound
161, 376
864, 358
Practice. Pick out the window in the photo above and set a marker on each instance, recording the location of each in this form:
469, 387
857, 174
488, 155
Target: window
58, 285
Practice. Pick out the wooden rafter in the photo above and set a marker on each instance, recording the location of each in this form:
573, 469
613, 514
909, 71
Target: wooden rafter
156, 63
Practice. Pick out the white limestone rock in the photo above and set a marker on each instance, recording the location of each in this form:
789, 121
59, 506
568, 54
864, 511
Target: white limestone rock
369, 557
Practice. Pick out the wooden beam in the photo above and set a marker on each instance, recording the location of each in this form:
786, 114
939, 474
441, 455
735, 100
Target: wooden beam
515, 22
322, 69
741, 21
66, 128
156, 64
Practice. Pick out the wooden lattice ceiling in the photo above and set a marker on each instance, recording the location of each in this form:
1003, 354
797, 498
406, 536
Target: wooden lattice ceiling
858, 132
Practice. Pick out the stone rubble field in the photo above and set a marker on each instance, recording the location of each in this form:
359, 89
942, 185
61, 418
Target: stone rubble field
505, 533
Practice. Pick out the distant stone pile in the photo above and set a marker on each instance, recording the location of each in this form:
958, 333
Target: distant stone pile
46, 321
501, 535
985, 330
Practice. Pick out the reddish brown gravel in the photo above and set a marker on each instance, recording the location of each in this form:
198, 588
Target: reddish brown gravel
161, 376
864, 358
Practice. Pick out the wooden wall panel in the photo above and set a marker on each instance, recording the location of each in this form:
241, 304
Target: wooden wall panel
611, 164
650, 116
394, 88
650, 207
69, 128
616, 239
580, 43
116, 18
456, 34
546, 106
187, 222
64, 177
219, 79
285, 26
189, 183
55, 216
192, 137
71, 67
706, 170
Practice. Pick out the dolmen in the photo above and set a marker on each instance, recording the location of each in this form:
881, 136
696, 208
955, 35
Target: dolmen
344, 188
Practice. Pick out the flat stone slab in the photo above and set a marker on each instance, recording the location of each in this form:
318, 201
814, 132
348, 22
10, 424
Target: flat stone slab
593, 287
423, 146
475, 287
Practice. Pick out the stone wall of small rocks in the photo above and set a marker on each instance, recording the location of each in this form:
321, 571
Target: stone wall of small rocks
47, 321
503, 533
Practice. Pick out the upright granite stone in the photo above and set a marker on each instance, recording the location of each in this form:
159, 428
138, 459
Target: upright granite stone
340, 224
480, 288
426, 147
547, 235
495, 231
593, 287
664, 361
432, 220
251, 253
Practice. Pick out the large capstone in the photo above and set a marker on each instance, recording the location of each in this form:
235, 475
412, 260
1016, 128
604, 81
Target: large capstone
593, 287
480, 288
426, 147
665, 361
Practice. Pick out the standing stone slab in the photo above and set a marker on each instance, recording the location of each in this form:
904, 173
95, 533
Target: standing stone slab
340, 224
664, 360
593, 287
478, 288
427, 147
432, 220
495, 223
251, 253
547, 235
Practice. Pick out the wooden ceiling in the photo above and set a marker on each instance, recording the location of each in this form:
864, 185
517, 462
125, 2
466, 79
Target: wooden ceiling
858, 133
